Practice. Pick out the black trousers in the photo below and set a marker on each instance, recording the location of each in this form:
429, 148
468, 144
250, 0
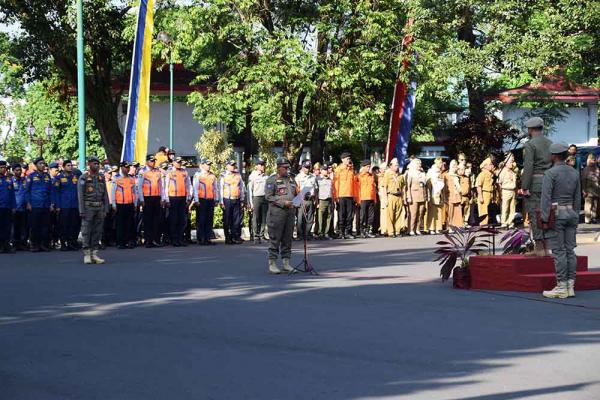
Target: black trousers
21, 227
306, 219
259, 216
39, 222
5, 224
346, 214
151, 218
232, 219
109, 233
367, 214
54, 227
125, 224
205, 215
177, 218
70, 224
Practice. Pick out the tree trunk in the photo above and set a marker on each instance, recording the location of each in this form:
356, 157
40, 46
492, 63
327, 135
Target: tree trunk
317, 145
474, 88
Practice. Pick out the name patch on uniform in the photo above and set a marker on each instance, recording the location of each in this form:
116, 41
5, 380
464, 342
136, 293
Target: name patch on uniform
63, 180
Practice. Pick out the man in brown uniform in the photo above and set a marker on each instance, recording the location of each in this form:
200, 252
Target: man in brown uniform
394, 188
485, 190
590, 186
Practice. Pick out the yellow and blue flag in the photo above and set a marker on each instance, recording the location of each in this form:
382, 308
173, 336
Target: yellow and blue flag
135, 143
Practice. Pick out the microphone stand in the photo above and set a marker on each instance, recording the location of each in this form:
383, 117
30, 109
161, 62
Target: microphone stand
304, 266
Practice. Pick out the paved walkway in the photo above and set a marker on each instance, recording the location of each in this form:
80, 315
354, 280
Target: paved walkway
209, 323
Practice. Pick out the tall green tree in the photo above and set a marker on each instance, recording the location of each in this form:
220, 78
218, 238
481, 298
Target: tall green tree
45, 45
293, 71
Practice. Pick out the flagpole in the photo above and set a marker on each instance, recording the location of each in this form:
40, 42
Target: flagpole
81, 84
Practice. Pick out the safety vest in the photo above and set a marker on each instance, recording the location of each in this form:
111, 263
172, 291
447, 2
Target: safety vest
231, 186
177, 183
206, 186
151, 185
125, 190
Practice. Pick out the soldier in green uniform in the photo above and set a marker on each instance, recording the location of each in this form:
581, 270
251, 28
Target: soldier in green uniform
561, 192
536, 160
280, 190
93, 206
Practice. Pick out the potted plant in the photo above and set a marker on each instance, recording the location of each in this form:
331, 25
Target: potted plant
455, 250
516, 241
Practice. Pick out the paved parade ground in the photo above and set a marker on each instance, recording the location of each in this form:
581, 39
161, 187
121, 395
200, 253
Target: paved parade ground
209, 323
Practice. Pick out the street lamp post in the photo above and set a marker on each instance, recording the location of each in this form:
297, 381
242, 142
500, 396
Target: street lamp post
80, 82
165, 38
40, 141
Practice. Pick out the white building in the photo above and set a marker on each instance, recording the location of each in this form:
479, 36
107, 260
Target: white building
579, 124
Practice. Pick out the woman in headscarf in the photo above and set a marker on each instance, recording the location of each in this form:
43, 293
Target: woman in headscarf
454, 198
416, 195
435, 197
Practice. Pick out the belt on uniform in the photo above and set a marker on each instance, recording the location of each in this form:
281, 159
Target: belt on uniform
565, 207
93, 203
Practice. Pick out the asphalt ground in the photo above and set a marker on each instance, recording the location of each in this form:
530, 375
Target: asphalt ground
210, 323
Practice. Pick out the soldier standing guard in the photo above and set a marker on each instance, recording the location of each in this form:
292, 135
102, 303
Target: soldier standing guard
561, 193
536, 160
256, 200
93, 207
280, 190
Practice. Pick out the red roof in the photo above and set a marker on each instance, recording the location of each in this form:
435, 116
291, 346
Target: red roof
159, 82
552, 87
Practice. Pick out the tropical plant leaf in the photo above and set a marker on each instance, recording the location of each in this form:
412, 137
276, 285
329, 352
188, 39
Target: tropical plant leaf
447, 267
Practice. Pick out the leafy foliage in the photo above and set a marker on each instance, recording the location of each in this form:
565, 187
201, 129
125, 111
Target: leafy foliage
459, 246
213, 145
41, 106
516, 241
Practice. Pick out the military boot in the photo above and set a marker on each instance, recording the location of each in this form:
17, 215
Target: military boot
273, 267
571, 287
559, 292
87, 256
95, 258
286, 265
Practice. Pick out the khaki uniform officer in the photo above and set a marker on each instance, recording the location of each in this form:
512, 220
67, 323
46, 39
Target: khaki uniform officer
561, 191
536, 160
93, 207
485, 190
280, 190
394, 185
508, 183
590, 184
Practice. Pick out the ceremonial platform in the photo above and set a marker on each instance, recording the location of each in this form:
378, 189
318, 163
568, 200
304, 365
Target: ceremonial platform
519, 273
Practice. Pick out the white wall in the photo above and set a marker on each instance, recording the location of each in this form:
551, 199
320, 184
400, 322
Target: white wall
186, 130
580, 125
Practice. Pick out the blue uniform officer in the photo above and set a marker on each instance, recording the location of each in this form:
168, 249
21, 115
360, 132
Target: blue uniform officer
7, 207
64, 197
20, 220
39, 204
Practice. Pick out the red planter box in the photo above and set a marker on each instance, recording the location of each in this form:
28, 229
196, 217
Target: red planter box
521, 273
